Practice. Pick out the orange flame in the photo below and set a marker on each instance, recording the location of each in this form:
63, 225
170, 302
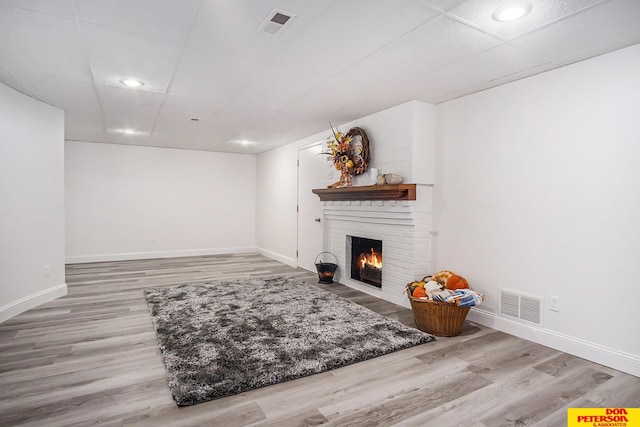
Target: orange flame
374, 259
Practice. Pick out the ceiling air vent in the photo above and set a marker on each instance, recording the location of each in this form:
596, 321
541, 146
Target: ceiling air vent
276, 21
519, 306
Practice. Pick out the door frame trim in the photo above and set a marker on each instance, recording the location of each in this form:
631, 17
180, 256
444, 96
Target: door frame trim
304, 147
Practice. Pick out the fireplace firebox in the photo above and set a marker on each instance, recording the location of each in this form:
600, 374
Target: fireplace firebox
366, 260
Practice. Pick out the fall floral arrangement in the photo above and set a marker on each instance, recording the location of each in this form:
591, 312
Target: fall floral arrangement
349, 153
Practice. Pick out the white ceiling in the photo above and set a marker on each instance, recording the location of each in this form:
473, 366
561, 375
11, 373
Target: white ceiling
338, 60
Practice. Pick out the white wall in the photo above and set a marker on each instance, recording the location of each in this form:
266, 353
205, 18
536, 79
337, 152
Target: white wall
31, 203
127, 202
538, 192
276, 216
395, 135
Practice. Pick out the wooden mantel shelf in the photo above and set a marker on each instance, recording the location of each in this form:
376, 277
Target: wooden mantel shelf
368, 192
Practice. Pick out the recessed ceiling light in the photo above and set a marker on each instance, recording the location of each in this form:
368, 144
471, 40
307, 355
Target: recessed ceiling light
511, 11
132, 82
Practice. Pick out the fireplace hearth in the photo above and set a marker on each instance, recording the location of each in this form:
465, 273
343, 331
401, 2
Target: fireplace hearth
366, 260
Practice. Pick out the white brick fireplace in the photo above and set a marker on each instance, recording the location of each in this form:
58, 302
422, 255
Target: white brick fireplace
404, 228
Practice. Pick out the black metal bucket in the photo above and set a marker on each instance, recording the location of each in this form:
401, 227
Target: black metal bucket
326, 270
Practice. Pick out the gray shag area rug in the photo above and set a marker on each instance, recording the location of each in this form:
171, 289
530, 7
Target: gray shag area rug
226, 337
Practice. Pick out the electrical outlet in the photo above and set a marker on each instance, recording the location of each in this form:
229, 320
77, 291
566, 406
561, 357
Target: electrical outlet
553, 303
154, 241
46, 270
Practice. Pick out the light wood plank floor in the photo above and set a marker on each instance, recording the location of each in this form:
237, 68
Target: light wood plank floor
92, 358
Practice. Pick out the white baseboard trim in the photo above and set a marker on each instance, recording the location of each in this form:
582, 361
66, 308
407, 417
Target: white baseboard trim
30, 301
597, 353
126, 256
291, 262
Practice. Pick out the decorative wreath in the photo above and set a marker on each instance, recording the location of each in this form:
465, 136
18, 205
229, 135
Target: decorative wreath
349, 152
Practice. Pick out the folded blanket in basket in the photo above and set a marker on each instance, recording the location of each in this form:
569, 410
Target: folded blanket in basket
460, 297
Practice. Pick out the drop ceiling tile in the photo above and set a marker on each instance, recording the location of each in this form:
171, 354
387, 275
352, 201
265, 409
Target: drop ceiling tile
543, 12
442, 4
273, 87
212, 135
177, 112
232, 27
128, 109
233, 118
281, 121
82, 111
323, 101
374, 101
305, 130
61, 8
602, 28
211, 74
232, 148
196, 135
274, 130
249, 111
143, 139
163, 19
431, 46
84, 126
174, 121
206, 145
42, 43
482, 68
7, 79
72, 97
346, 32
547, 66
251, 140
172, 137
268, 144
115, 55
152, 141
222, 126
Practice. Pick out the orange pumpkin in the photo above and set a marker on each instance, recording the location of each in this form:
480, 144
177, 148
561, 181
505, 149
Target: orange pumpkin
457, 282
419, 292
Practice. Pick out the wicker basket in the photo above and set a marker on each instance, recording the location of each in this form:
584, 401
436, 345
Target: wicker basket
438, 318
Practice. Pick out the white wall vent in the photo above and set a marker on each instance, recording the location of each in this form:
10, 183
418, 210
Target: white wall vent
519, 306
276, 21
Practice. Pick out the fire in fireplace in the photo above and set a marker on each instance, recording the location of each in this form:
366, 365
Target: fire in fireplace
366, 260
